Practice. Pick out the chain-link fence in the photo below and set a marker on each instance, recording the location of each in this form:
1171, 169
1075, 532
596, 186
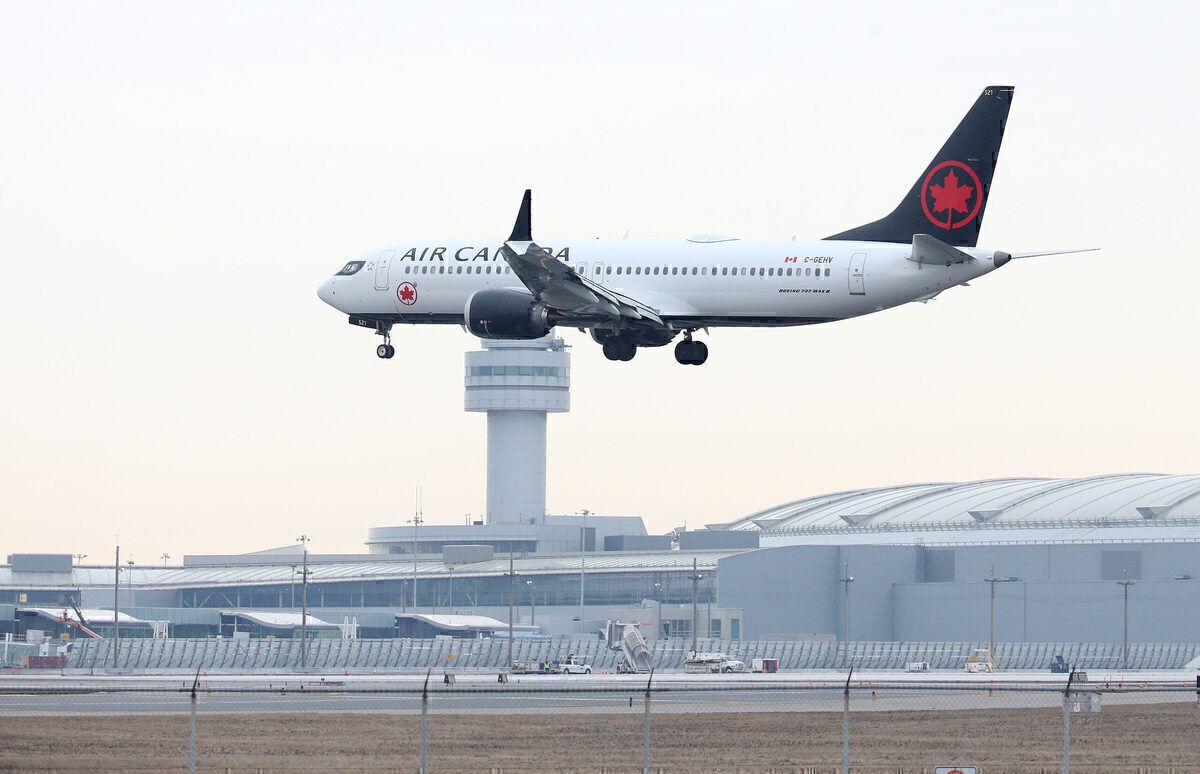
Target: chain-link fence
586, 723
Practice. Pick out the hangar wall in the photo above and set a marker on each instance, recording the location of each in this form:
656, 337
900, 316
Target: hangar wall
1063, 593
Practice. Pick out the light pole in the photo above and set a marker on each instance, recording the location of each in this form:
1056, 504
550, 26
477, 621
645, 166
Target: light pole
696, 576
129, 583
416, 521
846, 580
511, 574
165, 557
532, 602
658, 610
79, 558
116, 604
1125, 584
992, 580
582, 547
304, 605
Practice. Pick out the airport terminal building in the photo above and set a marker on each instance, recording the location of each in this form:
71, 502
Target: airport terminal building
1049, 560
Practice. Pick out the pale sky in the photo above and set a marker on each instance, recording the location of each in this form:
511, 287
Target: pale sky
176, 180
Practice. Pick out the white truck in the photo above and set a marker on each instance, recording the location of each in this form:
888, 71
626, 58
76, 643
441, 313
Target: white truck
711, 663
572, 666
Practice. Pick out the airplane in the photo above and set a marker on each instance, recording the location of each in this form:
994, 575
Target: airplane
630, 294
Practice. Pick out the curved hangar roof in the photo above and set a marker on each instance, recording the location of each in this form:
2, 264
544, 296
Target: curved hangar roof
1145, 498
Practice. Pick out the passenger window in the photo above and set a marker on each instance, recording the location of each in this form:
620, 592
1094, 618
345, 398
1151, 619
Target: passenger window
751, 271
724, 272
608, 270
789, 272
637, 270
618, 270
827, 272
743, 271
656, 270
488, 270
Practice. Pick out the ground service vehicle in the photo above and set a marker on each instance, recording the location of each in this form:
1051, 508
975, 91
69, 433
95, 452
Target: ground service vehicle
711, 663
980, 661
572, 666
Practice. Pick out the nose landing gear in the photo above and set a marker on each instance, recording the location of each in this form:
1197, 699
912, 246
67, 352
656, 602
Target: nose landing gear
689, 352
385, 350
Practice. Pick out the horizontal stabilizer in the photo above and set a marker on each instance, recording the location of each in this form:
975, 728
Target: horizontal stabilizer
926, 249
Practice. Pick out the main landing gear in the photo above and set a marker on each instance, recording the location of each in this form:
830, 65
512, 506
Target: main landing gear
617, 348
385, 350
689, 352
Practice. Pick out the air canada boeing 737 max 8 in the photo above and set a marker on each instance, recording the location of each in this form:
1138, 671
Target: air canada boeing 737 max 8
642, 293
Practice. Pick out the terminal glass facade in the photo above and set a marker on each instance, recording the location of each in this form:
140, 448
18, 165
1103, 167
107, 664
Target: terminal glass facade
600, 588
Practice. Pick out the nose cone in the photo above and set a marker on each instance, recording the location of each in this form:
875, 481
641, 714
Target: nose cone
326, 292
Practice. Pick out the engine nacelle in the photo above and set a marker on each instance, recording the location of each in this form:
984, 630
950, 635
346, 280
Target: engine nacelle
507, 314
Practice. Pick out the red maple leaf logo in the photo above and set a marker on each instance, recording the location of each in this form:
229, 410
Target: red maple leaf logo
407, 293
949, 195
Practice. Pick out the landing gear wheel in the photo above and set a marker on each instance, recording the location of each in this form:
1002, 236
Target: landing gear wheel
385, 350
619, 349
688, 352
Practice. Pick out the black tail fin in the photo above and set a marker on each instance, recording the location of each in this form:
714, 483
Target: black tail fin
949, 197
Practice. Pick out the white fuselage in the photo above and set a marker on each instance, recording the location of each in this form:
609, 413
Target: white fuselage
689, 283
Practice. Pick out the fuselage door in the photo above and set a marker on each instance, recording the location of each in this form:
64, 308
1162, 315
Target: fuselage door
598, 272
381, 269
858, 266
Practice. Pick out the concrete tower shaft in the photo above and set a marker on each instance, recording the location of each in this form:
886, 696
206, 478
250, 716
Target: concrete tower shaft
517, 383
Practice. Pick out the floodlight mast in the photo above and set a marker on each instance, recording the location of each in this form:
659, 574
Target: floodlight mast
1125, 583
303, 539
846, 580
992, 580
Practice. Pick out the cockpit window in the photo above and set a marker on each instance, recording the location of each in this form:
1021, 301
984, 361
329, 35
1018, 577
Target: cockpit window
350, 268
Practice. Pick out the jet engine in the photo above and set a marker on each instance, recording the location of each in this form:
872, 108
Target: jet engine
507, 314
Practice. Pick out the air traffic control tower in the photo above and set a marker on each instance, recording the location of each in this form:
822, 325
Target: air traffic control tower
518, 383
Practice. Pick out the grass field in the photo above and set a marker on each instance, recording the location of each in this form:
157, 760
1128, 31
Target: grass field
1142, 738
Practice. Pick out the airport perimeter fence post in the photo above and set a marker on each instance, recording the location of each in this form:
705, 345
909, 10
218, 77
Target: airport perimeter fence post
846, 724
646, 730
1066, 753
192, 729
425, 725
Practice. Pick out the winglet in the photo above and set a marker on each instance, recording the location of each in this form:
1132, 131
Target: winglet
523, 228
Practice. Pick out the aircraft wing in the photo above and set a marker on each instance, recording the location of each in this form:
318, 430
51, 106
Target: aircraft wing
558, 286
